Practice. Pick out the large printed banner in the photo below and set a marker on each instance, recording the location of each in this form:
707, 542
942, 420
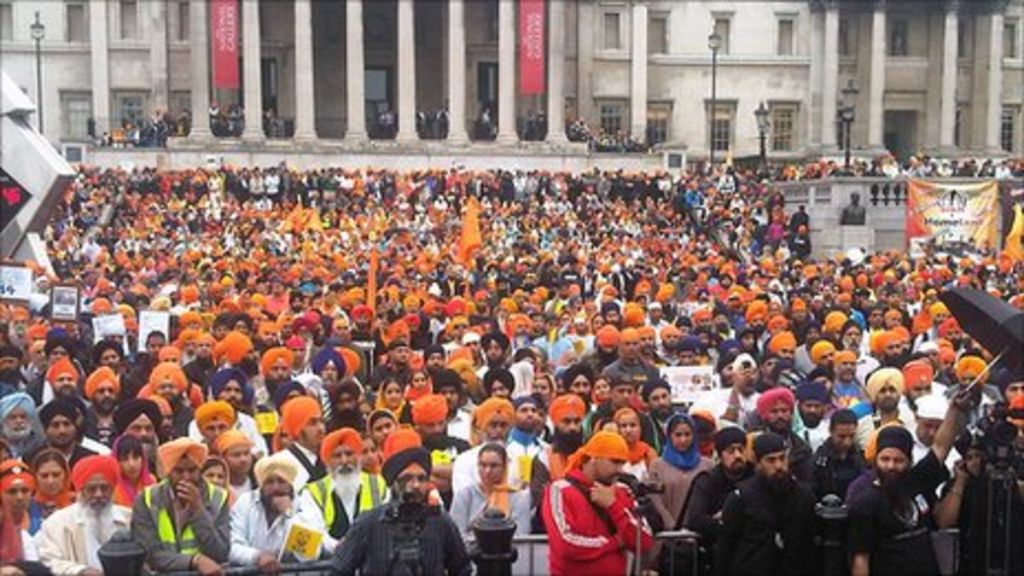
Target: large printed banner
951, 213
224, 43
531, 46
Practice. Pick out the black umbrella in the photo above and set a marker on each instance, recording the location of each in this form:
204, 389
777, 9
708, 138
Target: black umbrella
995, 324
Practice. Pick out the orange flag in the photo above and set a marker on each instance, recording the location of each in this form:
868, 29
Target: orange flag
1013, 247
371, 281
470, 240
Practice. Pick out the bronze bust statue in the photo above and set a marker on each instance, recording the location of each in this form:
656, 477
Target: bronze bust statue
854, 214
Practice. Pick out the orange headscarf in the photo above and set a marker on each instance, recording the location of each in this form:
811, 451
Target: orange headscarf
639, 451
603, 444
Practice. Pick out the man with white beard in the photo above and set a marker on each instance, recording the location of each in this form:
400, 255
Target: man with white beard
70, 538
331, 504
19, 424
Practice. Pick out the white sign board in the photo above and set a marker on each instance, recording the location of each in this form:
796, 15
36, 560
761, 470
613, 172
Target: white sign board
107, 325
64, 303
153, 321
688, 383
15, 283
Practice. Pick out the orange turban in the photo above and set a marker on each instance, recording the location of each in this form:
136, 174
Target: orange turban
608, 336
15, 472
777, 322
231, 439
170, 453
633, 316
430, 409
352, 359
100, 376
782, 341
567, 405
834, 322
190, 319
797, 304
90, 466
234, 347
216, 410
62, 367
916, 372
165, 371
341, 437
296, 414
602, 444
490, 408
169, 354
630, 335
756, 310
669, 331
969, 367
844, 356
701, 315
893, 314
273, 355
880, 341
820, 349
902, 334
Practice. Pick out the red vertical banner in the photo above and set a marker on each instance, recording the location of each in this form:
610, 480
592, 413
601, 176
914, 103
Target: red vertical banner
531, 46
224, 43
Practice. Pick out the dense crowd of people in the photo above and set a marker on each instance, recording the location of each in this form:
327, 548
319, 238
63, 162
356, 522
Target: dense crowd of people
345, 345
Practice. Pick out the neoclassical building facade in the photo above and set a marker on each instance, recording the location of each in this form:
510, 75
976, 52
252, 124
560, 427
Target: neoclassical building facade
936, 76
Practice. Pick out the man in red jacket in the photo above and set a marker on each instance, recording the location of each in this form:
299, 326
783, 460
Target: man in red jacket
589, 518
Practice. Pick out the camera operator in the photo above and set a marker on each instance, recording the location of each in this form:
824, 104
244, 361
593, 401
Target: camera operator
589, 518
964, 505
768, 521
409, 534
890, 520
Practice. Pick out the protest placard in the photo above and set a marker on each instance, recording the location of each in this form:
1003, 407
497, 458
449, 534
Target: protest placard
688, 383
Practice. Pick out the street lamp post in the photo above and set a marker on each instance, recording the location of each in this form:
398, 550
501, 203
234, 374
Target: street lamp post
714, 43
38, 33
847, 113
761, 113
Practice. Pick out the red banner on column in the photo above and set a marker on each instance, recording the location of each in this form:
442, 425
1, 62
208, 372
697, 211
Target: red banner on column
531, 46
224, 43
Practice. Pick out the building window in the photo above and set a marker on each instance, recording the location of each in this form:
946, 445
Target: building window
6, 23
784, 45
611, 117
659, 117
612, 34
783, 127
657, 35
76, 109
844, 36
959, 127
963, 39
491, 14
183, 21
898, 32
129, 19
77, 22
1007, 129
131, 108
1010, 39
722, 28
721, 127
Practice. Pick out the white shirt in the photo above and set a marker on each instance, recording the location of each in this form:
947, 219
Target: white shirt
465, 472
302, 478
251, 535
243, 423
458, 426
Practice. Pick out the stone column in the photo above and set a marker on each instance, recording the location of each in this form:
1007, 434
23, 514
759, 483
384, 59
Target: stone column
994, 85
457, 72
157, 29
830, 76
200, 68
638, 74
100, 64
253, 73
507, 72
876, 94
585, 23
556, 74
947, 109
305, 100
406, 72
355, 91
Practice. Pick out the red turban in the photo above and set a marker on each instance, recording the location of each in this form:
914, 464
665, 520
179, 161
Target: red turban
771, 397
62, 367
430, 409
90, 466
296, 414
341, 437
14, 472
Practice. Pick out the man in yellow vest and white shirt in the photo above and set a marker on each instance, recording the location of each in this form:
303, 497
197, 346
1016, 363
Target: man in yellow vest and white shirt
331, 504
183, 522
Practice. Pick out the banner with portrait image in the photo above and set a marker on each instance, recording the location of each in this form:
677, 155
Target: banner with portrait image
950, 213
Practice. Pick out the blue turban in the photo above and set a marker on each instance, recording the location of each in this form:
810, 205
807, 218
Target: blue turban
812, 390
328, 355
221, 378
17, 400
284, 389
690, 344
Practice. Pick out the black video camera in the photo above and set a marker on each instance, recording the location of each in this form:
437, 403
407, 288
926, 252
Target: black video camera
641, 490
997, 436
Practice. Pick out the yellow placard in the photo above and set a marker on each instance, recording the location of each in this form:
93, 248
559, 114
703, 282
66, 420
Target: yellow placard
440, 458
303, 542
525, 468
266, 422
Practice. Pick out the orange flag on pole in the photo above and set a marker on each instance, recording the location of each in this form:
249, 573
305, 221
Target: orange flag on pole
470, 240
371, 280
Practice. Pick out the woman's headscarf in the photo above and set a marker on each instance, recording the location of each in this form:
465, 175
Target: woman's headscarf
66, 496
689, 459
639, 451
125, 492
378, 403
